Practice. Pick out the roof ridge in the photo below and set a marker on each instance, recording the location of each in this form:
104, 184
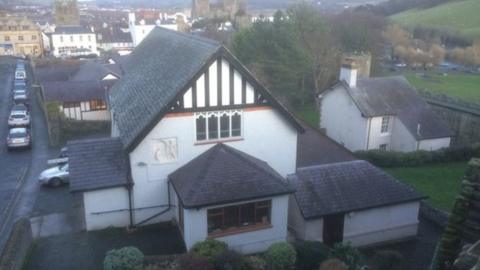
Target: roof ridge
190, 36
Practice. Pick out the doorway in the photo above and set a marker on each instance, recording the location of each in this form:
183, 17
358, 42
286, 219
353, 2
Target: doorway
333, 229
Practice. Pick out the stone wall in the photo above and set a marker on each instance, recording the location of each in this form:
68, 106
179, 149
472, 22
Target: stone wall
462, 117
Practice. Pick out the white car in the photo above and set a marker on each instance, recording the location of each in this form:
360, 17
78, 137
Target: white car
19, 118
54, 176
20, 74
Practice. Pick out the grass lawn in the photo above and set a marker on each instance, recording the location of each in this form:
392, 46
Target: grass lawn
440, 182
308, 113
457, 16
462, 86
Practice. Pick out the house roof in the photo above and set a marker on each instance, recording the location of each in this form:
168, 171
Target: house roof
56, 72
97, 164
113, 34
158, 70
395, 96
71, 29
75, 91
315, 148
223, 175
93, 71
347, 187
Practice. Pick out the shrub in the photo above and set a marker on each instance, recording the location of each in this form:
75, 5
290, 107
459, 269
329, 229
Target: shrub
127, 258
192, 261
333, 264
209, 249
280, 256
388, 260
310, 254
231, 260
256, 263
347, 254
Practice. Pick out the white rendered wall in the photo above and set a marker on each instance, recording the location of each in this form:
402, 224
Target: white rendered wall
378, 138
79, 41
402, 139
102, 115
434, 144
139, 32
150, 176
247, 242
372, 226
381, 224
342, 120
107, 200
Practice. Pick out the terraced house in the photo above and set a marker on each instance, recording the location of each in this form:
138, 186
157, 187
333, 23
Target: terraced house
197, 139
20, 36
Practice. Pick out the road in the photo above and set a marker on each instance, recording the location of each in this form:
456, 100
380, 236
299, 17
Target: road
52, 211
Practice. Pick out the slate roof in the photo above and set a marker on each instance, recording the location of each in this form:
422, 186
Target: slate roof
71, 29
315, 148
395, 96
76, 91
97, 164
113, 34
347, 187
155, 72
223, 175
93, 71
55, 72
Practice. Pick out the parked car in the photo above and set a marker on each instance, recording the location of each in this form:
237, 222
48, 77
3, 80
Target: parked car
20, 83
19, 118
61, 159
20, 96
19, 87
19, 138
54, 176
20, 107
20, 74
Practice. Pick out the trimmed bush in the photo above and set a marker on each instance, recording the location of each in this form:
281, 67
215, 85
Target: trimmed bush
127, 258
280, 256
256, 263
388, 260
231, 260
209, 249
418, 158
333, 264
192, 261
310, 254
348, 254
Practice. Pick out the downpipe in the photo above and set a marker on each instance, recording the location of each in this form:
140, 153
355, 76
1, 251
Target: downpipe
169, 206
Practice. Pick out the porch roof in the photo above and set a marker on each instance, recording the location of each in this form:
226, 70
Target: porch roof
224, 175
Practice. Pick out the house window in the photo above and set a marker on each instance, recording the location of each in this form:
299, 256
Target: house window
25, 27
89, 38
97, 105
81, 38
7, 38
34, 37
218, 125
383, 147
20, 38
67, 105
71, 38
61, 39
238, 218
385, 123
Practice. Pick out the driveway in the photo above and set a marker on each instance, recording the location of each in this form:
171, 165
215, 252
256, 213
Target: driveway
79, 251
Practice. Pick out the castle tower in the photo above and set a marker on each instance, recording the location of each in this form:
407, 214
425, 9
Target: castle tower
66, 12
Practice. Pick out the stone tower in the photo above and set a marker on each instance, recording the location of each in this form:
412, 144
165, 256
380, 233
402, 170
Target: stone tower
66, 12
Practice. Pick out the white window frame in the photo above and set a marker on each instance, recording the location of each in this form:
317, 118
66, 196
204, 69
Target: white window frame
383, 147
218, 114
385, 126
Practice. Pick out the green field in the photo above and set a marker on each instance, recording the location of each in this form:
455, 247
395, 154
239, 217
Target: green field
462, 86
458, 16
440, 182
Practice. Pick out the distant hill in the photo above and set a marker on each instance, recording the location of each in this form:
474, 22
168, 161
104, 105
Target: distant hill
461, 16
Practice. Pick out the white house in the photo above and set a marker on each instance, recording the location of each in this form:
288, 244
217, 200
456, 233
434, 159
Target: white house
351, 201
380, 113
194, 144
139, 29
73, 41
195, 139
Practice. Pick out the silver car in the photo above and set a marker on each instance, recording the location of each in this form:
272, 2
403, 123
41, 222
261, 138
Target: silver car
54, 176
20, 96
19, 118
19, 138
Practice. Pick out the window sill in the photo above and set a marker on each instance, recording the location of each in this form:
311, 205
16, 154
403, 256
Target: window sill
236, 139
246, 229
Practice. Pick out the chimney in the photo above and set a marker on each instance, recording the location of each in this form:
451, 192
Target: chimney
348, 72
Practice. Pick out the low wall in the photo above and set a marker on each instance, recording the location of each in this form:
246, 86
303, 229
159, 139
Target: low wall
17, 247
